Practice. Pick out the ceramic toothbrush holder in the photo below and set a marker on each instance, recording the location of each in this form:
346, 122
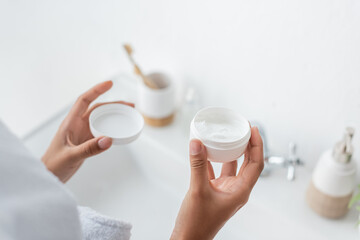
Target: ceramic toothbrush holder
157, 105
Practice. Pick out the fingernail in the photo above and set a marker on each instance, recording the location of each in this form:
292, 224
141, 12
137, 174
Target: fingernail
104, 142
195, 147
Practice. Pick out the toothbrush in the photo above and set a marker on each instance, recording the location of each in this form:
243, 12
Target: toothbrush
148, 82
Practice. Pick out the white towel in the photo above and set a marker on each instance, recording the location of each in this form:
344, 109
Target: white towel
98, 227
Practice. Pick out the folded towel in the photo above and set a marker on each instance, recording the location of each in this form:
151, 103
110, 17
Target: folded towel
99, 227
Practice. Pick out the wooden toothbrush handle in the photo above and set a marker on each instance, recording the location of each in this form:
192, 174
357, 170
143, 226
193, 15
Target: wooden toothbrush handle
146, 80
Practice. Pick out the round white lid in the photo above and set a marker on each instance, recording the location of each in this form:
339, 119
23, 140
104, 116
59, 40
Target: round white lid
120, 122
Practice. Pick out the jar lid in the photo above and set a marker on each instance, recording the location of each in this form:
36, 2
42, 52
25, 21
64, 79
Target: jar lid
221, 128
120, 122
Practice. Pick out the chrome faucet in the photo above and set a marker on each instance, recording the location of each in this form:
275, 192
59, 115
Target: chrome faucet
290, 162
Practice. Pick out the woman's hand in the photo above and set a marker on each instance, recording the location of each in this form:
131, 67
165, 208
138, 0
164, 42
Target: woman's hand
73, 142
210, 202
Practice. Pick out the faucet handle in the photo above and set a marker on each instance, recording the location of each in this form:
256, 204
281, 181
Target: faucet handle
292, 150
293, 160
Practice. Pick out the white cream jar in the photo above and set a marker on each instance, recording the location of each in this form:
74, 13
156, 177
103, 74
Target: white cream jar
224, 133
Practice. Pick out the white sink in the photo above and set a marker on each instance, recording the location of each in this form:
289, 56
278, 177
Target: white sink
144, 183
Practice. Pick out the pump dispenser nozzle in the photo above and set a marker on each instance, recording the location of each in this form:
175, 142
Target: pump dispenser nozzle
343, 150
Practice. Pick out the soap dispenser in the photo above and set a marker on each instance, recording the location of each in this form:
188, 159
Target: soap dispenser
334, 179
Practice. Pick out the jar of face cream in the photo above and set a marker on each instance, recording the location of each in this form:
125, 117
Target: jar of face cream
224, 133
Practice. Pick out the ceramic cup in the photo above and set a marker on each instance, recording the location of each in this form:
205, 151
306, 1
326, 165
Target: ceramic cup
157, 105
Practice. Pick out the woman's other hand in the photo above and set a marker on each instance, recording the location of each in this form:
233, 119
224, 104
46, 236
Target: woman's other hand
211, 201
73, 142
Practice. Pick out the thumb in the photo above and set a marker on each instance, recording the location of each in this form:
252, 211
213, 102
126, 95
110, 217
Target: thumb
198, 162
92, 147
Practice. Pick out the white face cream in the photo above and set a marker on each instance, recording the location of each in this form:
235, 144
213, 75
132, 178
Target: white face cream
224, 133
218, 128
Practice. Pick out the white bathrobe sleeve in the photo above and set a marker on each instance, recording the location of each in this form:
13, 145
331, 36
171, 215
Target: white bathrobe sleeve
35, 205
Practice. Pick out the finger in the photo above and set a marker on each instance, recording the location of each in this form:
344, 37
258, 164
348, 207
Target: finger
88, 112
246, 159
92, 147
256, 146
198, 163
82, 103
246, 155
254, 163
211, 174
229, 169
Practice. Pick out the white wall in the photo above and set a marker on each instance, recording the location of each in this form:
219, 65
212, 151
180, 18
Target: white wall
293, 65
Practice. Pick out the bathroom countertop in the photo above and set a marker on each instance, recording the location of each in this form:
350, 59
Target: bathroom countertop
281, 204
275, 202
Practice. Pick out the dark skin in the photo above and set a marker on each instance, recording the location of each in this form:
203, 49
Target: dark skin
73, 142
209, 203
